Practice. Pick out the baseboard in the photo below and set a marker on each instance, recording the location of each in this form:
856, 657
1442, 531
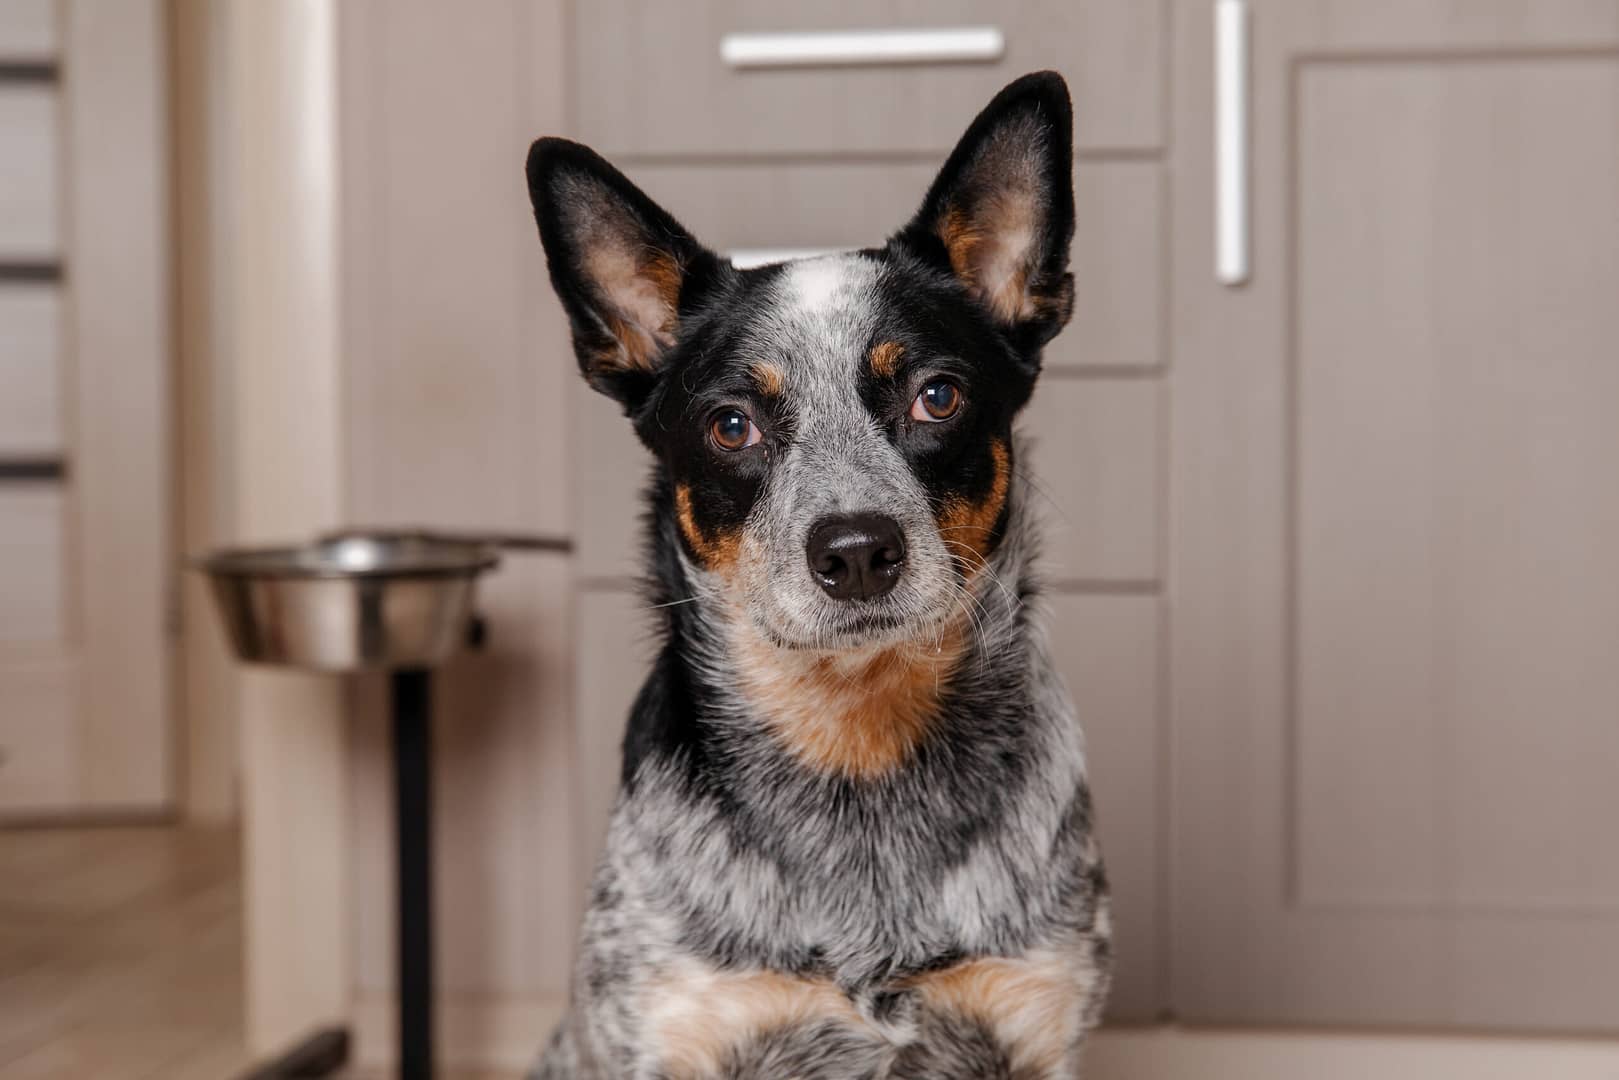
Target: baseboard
1170, 1053
485, 1032
475, 1031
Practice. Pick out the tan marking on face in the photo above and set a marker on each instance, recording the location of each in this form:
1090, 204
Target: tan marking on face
885, 357
968, 528
718, 552
769, 378
1033, 1004
697, 1015
854, 716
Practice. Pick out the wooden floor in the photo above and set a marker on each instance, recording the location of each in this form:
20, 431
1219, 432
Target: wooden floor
120, 955
120, 959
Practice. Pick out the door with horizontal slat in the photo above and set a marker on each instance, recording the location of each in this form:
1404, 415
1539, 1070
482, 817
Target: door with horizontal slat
85, 563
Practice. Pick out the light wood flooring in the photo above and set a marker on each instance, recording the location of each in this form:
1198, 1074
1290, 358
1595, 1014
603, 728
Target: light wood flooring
120, 959
120, 955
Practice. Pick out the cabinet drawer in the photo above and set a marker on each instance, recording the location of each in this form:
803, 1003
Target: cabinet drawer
1094, 450
654, 80
31, 562
30, 400
28, 195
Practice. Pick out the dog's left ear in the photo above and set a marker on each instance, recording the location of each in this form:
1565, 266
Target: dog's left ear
1000, 215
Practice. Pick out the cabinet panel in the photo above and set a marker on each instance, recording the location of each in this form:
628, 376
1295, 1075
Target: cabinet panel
1454, 539
30, 370
33, 558
1117, 260
38, 736
1107, 649
29, 145
27, 30
1093, 455
656, 83
1396, 624
614, 653
610, 471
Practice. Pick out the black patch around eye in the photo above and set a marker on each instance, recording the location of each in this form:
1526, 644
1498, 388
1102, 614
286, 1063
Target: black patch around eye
945, 339
698, 419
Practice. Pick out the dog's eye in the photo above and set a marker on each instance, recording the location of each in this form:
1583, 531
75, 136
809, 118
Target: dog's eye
939, 400
732, 430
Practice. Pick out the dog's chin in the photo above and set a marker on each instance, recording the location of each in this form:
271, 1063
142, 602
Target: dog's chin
857, 630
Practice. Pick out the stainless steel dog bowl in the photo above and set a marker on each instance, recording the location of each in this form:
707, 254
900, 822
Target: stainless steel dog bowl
352, 601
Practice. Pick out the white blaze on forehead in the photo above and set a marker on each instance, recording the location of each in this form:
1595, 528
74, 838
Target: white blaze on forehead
814, 284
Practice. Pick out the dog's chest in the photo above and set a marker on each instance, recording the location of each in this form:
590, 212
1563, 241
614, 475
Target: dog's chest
853, 898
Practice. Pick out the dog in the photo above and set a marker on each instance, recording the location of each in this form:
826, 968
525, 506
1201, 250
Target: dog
853, 834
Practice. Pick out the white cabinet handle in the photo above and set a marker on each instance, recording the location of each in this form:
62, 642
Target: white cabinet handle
748, 258
1231, 142
944, 45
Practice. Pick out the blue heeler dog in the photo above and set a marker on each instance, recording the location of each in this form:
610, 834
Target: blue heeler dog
853, 834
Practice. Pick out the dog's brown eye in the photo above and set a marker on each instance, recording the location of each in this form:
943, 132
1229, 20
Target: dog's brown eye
939, 400
732, 430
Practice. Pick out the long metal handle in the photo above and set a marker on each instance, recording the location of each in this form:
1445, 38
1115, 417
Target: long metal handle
943, 45
1231, 205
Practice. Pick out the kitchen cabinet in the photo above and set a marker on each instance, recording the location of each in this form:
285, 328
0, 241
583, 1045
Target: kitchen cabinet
1394, 616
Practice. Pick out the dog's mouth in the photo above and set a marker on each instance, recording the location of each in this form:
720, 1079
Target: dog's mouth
858, 629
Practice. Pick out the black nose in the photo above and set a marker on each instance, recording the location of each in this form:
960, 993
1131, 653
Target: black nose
856, 556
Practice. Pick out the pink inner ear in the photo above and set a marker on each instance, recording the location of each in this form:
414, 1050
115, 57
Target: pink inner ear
635, 285
1005, 259
992, 230
641, 290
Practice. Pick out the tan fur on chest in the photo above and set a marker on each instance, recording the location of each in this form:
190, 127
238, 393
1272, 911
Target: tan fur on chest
857, 717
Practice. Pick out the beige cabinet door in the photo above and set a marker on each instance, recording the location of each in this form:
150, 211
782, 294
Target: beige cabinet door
85, 563
1395, 607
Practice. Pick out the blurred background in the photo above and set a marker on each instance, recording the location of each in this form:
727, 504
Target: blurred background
1328, 454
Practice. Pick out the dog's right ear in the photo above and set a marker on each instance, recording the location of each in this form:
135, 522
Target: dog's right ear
623, 267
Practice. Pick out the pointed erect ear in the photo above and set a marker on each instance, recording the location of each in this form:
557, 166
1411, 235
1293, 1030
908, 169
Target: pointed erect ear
624, 269
1000, 214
